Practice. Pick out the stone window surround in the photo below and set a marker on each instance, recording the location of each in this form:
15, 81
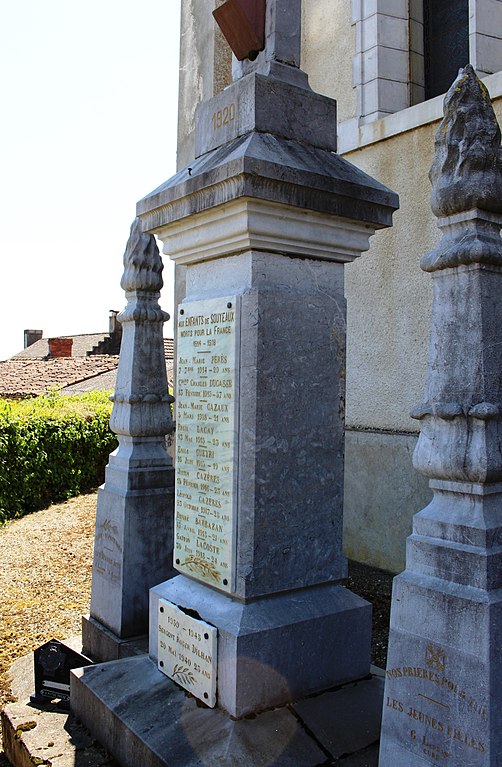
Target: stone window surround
388, 66
352, 135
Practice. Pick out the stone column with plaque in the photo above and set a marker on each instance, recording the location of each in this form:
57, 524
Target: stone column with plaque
264, 220
443, 692
134, 519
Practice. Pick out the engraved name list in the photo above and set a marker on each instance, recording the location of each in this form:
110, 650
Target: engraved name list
205, 441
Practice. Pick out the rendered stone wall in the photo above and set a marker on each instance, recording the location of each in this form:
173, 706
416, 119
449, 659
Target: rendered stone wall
205, 68
329, 66
388, 318
388, 296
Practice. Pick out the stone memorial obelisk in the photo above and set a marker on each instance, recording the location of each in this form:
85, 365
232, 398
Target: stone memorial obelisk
134, 520
264, 220
443, 692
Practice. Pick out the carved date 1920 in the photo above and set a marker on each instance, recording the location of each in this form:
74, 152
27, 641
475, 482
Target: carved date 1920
224, 116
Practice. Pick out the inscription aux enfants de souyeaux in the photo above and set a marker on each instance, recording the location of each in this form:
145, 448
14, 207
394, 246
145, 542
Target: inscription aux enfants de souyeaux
206, 419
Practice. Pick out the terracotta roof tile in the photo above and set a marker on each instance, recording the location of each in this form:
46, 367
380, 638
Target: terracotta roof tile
29, 377
31, 372
105, 381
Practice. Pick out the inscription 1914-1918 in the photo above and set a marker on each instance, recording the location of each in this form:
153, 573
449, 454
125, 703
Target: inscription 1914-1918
206, 412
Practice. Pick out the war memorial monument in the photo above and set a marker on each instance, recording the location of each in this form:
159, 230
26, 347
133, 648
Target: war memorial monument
251, 624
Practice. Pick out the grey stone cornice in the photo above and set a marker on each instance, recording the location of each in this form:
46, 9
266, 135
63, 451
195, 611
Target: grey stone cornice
263, 166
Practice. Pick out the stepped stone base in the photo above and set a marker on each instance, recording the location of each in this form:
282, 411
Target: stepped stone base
277, 649
342, 724
143, 718
101, 645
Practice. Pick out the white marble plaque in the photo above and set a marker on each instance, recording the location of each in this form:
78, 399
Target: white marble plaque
187, 652
206, 452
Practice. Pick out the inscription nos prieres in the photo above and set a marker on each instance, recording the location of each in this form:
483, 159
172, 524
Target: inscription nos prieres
443, 717
452, 734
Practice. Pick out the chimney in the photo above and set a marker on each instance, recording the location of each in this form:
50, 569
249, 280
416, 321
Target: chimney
31, 337
60, 347
114, 325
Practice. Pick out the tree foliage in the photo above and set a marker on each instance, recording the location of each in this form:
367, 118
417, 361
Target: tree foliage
52, 448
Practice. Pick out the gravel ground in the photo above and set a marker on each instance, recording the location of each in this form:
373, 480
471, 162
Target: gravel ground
375, 586
45, 583
45, 580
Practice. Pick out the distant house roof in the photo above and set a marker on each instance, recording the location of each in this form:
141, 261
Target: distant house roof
105, 381
32, 372
83, 345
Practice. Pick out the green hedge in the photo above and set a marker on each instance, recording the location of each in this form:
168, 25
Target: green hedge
52, 448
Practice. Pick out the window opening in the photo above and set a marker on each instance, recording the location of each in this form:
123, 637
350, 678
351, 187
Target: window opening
446, 43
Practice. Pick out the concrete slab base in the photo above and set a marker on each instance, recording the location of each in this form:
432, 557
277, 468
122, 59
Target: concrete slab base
45, 735
101, 645
48, 736
145, 719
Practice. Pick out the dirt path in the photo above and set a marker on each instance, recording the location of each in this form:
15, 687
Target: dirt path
45, 583
45, 578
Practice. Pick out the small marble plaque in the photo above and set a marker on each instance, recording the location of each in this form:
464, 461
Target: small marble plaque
206, 453
187, 652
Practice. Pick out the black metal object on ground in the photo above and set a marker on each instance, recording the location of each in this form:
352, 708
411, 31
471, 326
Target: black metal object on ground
52, 664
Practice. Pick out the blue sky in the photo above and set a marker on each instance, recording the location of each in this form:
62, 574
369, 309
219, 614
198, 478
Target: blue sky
89, 110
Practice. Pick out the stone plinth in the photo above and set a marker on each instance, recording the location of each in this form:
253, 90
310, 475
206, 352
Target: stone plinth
276, 650
132, 547
284, 621
148, 720
443, 688
264, 220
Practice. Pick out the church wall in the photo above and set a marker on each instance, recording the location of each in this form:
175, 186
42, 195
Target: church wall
388, 296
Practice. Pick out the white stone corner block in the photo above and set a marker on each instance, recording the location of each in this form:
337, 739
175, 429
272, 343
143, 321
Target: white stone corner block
248, 224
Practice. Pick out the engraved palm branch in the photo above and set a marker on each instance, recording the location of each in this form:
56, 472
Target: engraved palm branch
200, 566
184, 674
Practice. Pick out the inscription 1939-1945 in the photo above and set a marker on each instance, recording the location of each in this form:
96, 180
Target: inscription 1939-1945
187, 651
206, 411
